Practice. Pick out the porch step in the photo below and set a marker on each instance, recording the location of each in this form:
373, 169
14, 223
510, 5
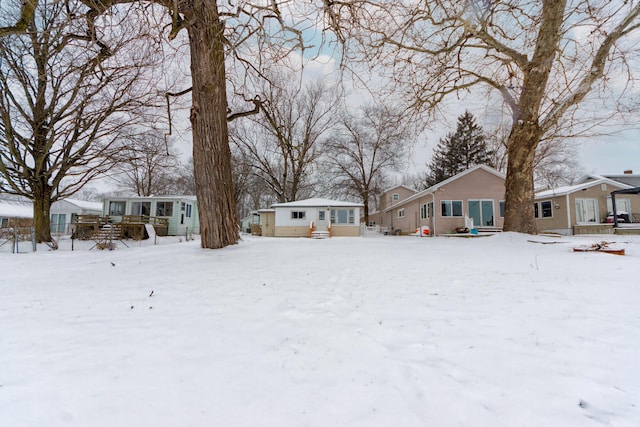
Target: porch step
107, 232
320, 234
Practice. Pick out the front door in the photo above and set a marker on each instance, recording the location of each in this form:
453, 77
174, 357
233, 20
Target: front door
587, 211
323, 220
481, 211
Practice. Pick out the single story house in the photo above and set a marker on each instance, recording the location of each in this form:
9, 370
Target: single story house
297, 219
180, 212
586, 207
473, 198
64, 212
16, 212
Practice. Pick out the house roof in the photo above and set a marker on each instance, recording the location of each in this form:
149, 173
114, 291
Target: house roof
400, 186
589, 181
316, 202
16, 209
192, 198
629, 179
437, 186
83, 204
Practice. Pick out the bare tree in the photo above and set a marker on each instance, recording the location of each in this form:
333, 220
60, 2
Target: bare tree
247, 32
148, 164
544, 58
282, 143
64, 100
365, 149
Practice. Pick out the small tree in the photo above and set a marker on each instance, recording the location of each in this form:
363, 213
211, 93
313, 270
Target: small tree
459, 151
364, 150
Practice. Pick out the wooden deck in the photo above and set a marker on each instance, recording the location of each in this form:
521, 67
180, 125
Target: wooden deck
89, 227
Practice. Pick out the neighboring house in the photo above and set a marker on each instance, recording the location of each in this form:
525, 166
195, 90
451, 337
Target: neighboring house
585, 208
252, 219
387, 199
16, 212
477, 194
628, 177
64, 212
181, 212
295, 219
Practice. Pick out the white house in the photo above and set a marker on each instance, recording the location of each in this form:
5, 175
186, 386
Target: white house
299, 218
15, 212
64, 212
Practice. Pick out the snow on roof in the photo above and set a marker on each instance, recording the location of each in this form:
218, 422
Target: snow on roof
16, 209
83, 204
316, 202
561, 191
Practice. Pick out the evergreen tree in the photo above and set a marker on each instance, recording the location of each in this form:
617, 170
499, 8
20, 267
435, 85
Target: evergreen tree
459, 151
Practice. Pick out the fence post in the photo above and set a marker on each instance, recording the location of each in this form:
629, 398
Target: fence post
33, 238
14, 247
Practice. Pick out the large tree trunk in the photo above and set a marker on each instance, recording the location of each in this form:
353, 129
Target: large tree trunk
42, 212
519, 195
211, 153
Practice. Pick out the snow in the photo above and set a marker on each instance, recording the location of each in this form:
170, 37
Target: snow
95, 206
376, 331
317, 202
15, 209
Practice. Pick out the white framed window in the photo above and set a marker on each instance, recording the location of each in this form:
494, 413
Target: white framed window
543, 209
298, 214
451, 207
343, 216
395, 197
320, 215
164, 208
58, 223
501, 208
117, 207
623, 206
587, 211
141, 208
401, 213
481, 211
188, 211
424, 212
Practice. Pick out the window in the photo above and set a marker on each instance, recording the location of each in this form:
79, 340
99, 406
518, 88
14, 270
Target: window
343, 216
501, 208
4, 222
481, 211
117, 208
587, 211
298, 214
451, 207
424, 212
188, 213
543, 209
141, 208
58, 223
400, 213
395, 197
164, 208
320, 215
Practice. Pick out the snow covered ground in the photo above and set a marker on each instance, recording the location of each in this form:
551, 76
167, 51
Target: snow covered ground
381, 331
